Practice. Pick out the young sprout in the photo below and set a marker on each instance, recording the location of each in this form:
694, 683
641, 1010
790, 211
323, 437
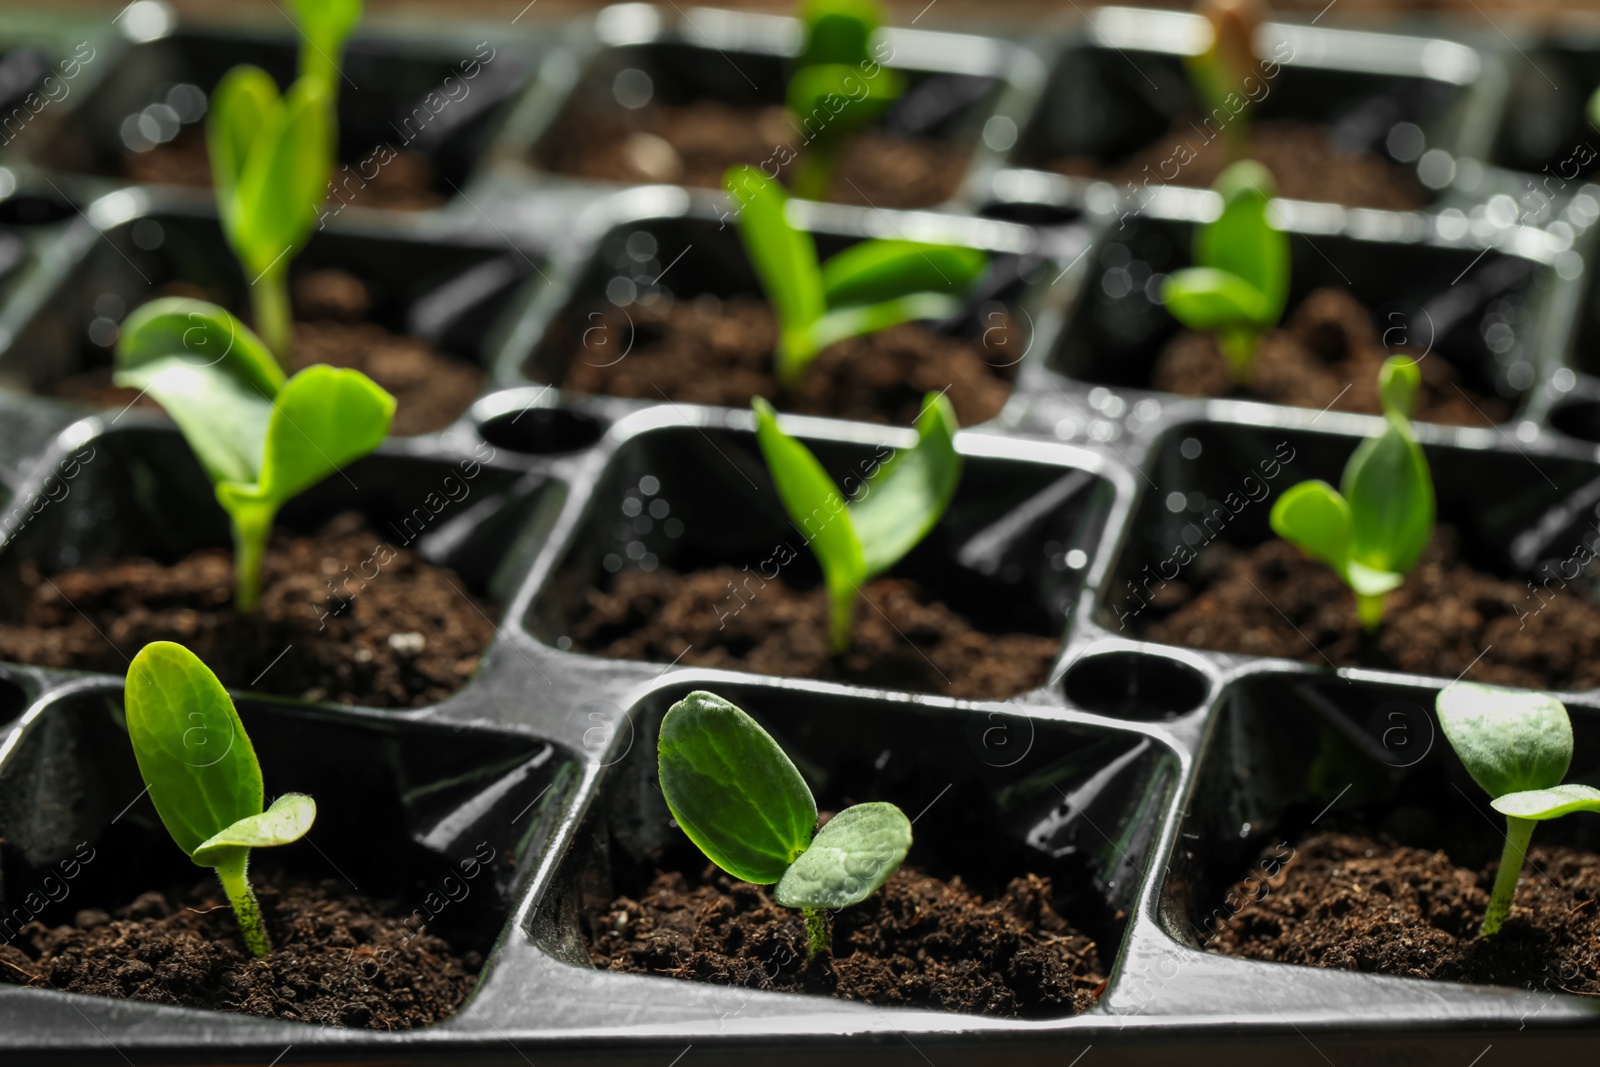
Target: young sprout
1222, 73
262, 439
1517, 745
898, 505
830, 91
1241, 283
866, 288
1373, 528
326, 24
203, 776
270, 160
739, 798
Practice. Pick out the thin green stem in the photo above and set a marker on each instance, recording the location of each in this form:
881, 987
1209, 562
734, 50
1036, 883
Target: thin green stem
819, 938
815, 170
251, 528
1369, 609
245, 907
841, 614
1239, 348
269, 306
1518, 833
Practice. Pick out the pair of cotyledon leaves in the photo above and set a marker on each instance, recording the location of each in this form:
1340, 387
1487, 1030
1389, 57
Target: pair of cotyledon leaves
1517, 745
1241, 282
197, 760
867, 287
740, 799
837, 88
1374, 528
271, 154
261, 438
893, 510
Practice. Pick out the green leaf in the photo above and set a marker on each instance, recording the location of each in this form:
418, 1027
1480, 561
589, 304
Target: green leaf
1390, 492
1313, 517
785, 259
203, 335
1209, 300
240, 105
327, 25
907, 495
874, 271
1510, 740
819, 514
324, 418
285, 178
732, 790
287, 821
838, 31
832, 101
850, 858
1552, 803
1243, 242
191, 747
857, 321
211, 375
1398, 381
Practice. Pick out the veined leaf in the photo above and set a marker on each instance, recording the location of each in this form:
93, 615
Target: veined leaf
732, 790
1510, 740
849, 859
287, 821
191, 747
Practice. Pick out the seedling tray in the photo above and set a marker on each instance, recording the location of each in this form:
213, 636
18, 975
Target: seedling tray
438, 95
1117, 84
739, 58
1144, 778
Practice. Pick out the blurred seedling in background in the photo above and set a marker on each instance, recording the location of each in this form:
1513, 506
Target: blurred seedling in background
1517, 745
735, 793
203, 776
1240, 283
271, 156
830, 92
901, 503
1375, 526
866, 288
1226, 74
261, 438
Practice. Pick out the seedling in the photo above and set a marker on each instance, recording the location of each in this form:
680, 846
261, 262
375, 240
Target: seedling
203, 776
271, 155
262, 439
892, 511
739, 798
866, 288
1241, 283
1371, 530
1517, 745
837, 88
1222, 74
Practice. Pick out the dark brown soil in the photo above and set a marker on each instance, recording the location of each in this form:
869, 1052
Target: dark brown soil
901, 640
1363, 903
710, 351
1446, 619
695, 144
918, 942
1327, 354
338, 959
405, 183
1301, 156
431, 389
409, 636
